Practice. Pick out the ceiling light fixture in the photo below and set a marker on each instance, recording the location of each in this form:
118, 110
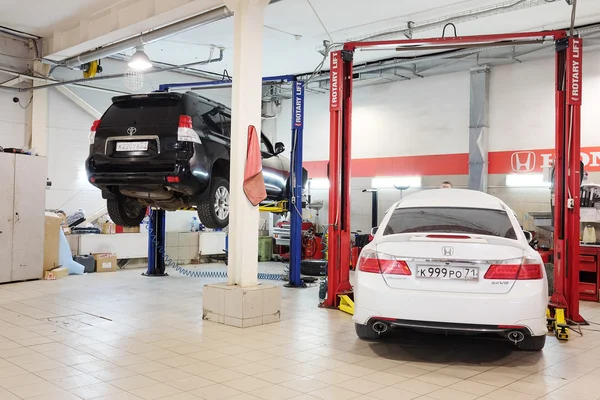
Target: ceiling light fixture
139, 61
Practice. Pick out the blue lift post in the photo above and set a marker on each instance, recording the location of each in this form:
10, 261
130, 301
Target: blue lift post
156, 243
296, 186
157, 235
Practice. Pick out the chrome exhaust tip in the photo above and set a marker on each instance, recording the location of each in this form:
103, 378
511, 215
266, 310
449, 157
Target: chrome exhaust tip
516, 336
380, 327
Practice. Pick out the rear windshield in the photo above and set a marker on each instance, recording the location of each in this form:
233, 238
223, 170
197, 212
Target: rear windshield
143, 111
451, 220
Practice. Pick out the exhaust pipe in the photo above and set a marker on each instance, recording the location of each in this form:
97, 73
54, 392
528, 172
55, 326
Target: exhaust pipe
516, 336
380, 327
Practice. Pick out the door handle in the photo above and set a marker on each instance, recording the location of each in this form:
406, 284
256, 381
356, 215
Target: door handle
17, 217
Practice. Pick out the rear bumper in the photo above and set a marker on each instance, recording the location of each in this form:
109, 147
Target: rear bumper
502, 330
524, 306
187, 184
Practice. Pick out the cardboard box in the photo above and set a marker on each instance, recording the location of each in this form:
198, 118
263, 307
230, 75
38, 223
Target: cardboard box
51, 240
109, 228
130, 230
105, 262
56, 273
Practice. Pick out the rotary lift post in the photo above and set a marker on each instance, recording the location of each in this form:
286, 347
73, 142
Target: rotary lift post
156, 241
568, 133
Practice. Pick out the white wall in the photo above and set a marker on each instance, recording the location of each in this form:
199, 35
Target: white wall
421, 116
13, 118
68, 147
522, 105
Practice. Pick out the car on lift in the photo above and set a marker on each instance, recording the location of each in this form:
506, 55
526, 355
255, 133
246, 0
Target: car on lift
452, 261
172, 151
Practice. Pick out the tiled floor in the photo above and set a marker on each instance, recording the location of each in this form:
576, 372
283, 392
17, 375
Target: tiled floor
122, 336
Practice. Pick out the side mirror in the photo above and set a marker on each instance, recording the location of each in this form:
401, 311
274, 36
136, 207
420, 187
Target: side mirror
374, 230
528, 235
279, 148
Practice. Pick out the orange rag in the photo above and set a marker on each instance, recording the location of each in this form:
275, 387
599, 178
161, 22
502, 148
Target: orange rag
254, 183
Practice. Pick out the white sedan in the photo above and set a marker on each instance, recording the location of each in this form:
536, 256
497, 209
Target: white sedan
455, 261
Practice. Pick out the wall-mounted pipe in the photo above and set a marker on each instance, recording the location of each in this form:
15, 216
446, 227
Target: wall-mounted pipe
147, 38
112, 76
26, 37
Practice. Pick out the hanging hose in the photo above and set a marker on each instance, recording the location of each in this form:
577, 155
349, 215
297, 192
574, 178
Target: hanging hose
204, 274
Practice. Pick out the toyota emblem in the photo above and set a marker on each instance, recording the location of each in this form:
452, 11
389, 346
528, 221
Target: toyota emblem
131, 130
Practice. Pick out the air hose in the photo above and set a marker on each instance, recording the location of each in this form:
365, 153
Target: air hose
204, 274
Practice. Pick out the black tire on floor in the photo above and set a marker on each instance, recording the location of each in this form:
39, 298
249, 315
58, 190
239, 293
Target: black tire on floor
532, 343
366, 332
126, 212
218, 198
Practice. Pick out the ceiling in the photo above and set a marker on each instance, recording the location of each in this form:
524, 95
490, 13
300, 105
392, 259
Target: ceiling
293, 32
284, 53
40, 17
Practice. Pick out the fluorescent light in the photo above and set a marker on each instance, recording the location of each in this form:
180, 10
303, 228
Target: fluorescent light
321, 183
139, 61
526, 180
390, 182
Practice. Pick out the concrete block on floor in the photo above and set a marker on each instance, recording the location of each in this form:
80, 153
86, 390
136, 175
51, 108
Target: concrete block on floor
241, 307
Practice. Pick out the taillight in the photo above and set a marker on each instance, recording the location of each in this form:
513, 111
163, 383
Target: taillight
526, 270
93, 130
186, 133
380, 263
173, 179
185, 121
448, 237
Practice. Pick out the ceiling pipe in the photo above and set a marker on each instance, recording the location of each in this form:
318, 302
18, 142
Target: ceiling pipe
147, 38
26, 37
462, 52
112, 76
38, 79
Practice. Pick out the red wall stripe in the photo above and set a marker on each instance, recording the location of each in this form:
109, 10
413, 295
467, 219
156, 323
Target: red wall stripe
500, 162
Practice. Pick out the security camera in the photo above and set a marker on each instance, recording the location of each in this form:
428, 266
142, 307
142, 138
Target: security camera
16, 100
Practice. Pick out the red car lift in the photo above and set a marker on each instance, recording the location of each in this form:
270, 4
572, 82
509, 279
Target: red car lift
568, 111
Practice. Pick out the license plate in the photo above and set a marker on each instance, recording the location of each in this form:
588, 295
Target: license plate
132, 146
447, 272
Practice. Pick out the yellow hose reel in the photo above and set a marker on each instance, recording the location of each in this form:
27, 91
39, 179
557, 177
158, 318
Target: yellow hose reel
91, 70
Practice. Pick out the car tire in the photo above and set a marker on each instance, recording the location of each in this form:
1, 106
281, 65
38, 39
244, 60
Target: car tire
366, 332
126, 212
532, 343
213, 212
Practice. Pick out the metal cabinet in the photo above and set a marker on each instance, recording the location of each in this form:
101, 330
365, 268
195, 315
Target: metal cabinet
22, 204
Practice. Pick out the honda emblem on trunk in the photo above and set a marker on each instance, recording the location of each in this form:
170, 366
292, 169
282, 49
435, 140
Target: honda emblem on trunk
448, 251
131, 130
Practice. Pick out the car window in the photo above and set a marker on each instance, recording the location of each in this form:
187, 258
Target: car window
213, 122
450, 220
266, 146
143, 111
226, 123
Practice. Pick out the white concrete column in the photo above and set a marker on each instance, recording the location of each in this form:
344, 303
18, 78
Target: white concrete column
38, 121
246, 110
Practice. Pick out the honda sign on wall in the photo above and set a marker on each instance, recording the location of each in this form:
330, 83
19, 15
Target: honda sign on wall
523, 161
500, 162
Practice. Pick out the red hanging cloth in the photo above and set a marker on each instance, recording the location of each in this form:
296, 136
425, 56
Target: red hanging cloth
254, 183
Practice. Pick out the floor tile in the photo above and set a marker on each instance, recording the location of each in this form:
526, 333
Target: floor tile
133, 382
275, 392
37, 389
334, 393
215, 392
393, 393
97, 390
156, 391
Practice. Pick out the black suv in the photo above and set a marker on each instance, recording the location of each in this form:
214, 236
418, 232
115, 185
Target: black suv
171, 151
